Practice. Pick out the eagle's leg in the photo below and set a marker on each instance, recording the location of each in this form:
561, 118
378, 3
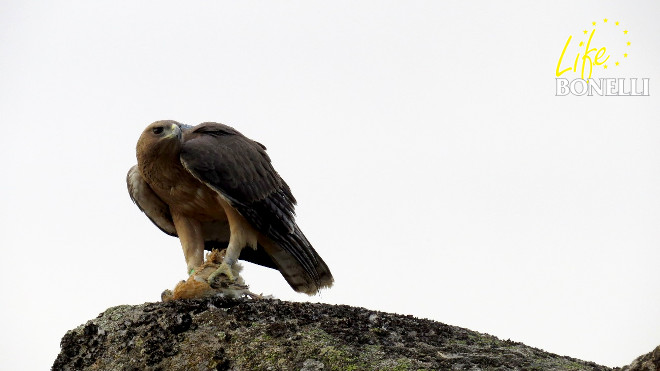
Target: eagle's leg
241, 234
192, 240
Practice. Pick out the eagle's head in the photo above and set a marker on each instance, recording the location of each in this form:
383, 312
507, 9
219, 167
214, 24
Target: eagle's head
160, 139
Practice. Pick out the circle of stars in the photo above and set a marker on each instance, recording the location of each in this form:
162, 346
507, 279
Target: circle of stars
616, 24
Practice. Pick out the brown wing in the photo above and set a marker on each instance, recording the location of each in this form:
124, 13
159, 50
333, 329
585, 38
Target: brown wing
148, 202
240, 170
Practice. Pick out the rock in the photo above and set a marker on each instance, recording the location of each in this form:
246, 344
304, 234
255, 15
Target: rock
312, 365
647, 362
220, 333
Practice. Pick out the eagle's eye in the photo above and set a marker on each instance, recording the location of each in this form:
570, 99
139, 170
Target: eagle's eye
157, 130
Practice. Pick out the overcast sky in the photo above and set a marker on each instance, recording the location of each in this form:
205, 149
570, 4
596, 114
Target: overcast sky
436, 171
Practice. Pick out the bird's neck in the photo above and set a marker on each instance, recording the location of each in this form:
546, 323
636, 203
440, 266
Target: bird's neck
162, 169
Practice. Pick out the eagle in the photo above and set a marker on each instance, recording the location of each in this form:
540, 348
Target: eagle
212, 187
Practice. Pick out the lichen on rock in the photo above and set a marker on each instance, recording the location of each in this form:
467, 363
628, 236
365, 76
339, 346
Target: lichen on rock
223, 333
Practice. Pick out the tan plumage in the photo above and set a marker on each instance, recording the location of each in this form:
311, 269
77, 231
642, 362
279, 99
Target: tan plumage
213, 187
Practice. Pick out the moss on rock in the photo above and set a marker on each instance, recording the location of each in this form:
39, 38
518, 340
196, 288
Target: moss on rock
242, 334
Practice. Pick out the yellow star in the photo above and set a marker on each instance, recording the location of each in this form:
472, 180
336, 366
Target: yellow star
625, 55
617, 63
593, 23
625, 32
605, 20
616, 23
605, 66
581, 43
628, 43
585, 32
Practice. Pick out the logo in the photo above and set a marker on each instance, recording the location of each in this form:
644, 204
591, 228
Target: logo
593, 62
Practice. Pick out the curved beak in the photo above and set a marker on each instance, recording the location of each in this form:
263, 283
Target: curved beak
175, 131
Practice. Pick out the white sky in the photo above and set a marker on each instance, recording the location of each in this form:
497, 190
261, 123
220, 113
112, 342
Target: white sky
437, 173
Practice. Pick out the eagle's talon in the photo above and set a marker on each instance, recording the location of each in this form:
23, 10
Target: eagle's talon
225, 269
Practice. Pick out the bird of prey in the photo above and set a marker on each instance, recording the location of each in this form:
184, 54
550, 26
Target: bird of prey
213, 188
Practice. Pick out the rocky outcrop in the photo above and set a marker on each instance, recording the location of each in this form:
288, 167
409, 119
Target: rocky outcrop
647, 362
241, 334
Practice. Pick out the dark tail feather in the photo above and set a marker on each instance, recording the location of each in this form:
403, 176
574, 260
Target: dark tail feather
299, 263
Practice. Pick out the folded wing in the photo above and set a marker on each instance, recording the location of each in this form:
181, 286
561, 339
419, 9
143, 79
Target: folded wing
240, 171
